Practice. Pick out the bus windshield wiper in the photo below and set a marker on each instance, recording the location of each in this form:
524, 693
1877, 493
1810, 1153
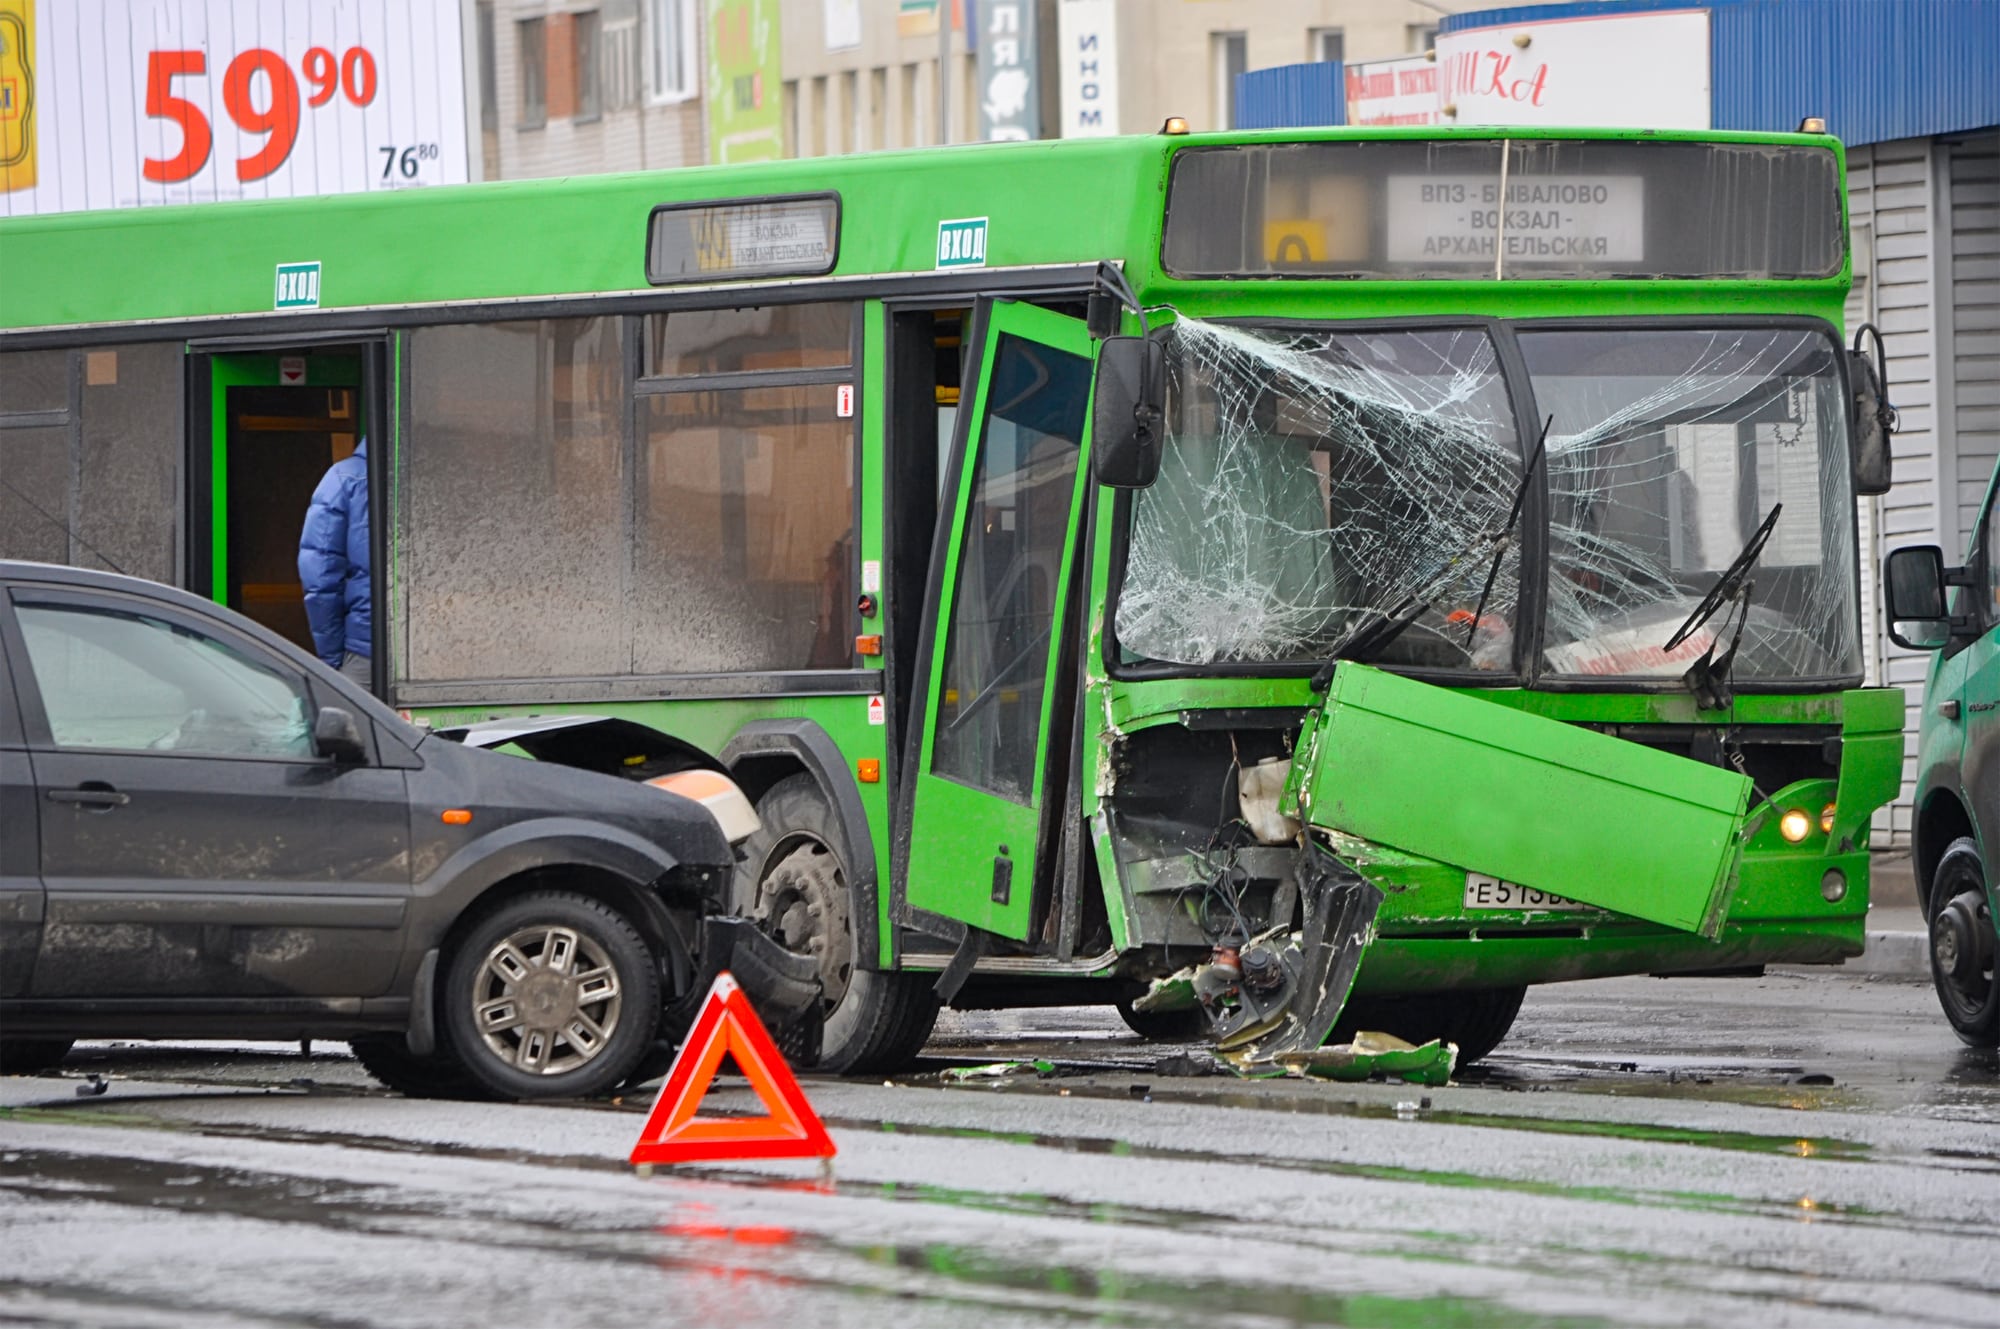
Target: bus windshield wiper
1376, 631
1708, 677
1507, 531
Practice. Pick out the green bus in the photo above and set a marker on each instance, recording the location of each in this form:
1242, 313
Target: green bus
1419, 562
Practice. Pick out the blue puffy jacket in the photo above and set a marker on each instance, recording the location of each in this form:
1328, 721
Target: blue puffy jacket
333, 561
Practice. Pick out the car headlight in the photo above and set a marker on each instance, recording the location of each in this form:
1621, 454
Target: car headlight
720, 795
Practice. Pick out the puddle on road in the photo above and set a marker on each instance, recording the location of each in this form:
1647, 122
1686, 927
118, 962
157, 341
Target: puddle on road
972, 1278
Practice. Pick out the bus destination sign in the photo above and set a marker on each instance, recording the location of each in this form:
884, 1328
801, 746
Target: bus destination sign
1568, 219
704, 242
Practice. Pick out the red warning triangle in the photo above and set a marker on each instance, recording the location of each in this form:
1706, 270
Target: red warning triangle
673, 1134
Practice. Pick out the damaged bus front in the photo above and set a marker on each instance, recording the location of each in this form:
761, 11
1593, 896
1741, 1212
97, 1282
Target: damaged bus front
1448, 653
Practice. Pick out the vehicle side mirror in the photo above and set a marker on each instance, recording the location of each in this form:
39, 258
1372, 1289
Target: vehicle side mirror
337, 736
1913, 585
1871, 420
1127, 423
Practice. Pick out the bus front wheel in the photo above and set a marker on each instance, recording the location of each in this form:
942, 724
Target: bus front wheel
792, 880
1476, 1021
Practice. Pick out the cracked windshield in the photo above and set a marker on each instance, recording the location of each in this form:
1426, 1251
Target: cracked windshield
1315, 481
1669, 449
1311, 481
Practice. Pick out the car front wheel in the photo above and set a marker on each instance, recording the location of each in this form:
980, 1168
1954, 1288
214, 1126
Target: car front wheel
1962, 945
551, 995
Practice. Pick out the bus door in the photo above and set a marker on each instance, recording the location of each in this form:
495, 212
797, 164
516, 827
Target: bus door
277, 420
979, 827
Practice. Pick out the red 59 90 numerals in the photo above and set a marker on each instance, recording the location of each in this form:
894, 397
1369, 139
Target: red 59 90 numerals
352, 74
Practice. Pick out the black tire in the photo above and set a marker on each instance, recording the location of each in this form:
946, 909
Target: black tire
1187, 1025
30, 1056
1477, 1021
582, 986
389, 1059
792, 880
1963, 946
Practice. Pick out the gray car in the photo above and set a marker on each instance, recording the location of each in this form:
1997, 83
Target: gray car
205, 832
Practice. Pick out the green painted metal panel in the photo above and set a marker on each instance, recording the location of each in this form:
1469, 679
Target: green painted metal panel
959, 833
1546, 804
583, 235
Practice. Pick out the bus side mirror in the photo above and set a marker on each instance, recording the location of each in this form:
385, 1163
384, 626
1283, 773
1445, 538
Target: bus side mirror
1913, 582
1128, 419
1871, 421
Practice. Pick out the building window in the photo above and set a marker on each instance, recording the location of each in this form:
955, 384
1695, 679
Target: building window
850, 112
489, 85
586, 50
1326, 45
532, 40
1231, 54
670, 47
1420, 37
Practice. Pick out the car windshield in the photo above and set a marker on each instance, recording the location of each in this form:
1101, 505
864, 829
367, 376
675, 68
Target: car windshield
1311, 481
1314, 481
1669, 449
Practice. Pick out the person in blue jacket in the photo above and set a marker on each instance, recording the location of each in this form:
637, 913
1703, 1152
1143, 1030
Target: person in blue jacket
334, 565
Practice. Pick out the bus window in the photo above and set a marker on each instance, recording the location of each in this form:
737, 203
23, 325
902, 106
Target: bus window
732, 341
512, 523
114, 464
743, 555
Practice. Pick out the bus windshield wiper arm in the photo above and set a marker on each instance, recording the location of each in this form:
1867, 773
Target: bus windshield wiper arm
1708, 677
1507, 531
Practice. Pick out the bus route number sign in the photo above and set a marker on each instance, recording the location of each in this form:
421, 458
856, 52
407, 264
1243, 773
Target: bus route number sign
780, 237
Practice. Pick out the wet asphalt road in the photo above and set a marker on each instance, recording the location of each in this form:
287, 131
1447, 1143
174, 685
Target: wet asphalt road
1805, 1149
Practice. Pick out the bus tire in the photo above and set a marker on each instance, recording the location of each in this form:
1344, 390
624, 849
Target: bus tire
1186, 1025
1963, 947
31, 1056
791, 880
1477, 1021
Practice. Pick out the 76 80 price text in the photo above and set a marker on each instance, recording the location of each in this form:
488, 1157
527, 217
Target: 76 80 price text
352, 73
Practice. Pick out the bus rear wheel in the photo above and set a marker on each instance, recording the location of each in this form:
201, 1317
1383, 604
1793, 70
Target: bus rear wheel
792, 881
1477, 1021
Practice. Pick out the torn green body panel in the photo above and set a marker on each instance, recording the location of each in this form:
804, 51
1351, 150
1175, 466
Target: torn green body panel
1494, 790
1369, 1055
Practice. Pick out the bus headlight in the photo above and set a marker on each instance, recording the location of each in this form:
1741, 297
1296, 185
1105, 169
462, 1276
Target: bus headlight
1795, 825
1833, 885
1826, 820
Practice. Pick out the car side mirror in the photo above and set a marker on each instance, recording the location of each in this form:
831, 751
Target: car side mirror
1913, 586
1871, 420
337, 736
1128, 419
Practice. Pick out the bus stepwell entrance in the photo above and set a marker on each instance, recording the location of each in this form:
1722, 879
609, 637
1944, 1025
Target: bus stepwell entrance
278, 421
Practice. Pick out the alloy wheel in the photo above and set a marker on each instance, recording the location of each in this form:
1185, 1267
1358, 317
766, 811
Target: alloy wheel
546, 1000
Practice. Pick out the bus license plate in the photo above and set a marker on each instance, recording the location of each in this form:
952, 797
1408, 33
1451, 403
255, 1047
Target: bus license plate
1492, 893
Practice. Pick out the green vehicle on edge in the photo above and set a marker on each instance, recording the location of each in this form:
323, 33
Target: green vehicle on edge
1408, 561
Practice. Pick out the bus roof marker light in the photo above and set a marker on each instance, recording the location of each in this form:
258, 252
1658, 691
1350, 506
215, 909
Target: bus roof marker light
1812, 124
1174, 125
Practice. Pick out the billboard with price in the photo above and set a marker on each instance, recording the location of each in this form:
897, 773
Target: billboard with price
116, 103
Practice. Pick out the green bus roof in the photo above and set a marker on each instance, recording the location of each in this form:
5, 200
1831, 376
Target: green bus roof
1048, 202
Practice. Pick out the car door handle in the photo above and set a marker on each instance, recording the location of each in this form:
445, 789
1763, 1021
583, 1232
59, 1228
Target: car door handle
91, 796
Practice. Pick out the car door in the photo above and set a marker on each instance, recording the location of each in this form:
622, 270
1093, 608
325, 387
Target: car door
977, 817
192, 843
1980, 763
20, 854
